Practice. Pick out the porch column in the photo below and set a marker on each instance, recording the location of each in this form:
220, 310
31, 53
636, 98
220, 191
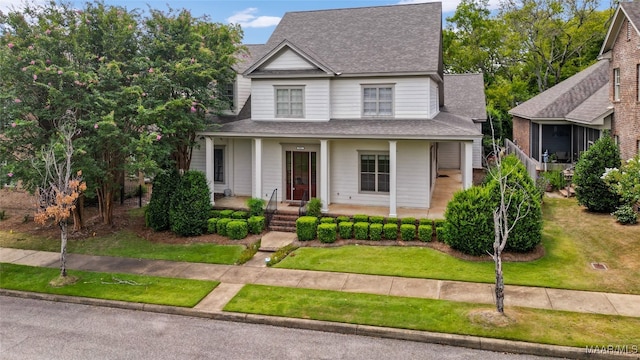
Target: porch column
324, 175
467, 165
392, 178
257, 166
209, 165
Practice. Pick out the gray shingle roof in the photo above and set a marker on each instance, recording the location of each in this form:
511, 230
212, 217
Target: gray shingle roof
444, 126
464, 95
368, 40
560, 100
632, 9
247, 58
628, 10
595, 108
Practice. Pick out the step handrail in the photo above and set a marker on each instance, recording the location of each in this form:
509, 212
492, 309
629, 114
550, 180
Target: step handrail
272, 207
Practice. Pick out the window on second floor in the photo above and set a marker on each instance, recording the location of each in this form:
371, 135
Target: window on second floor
289, 102
638, 81
377, 100
616, 84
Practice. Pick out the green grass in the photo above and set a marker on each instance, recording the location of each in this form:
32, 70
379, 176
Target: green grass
110, 286
128, 244
572, 238
531, 325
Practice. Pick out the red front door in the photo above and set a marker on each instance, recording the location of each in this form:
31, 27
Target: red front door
301, 175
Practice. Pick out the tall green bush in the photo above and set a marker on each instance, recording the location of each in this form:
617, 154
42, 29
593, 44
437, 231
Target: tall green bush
314, 207
469, 221
256, 206
190, 205
591, 190
157, 213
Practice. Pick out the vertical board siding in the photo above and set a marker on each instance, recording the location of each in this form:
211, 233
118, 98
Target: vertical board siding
433, 99
316, 99
413, 174
449, 155
288, 60
272, 168
241, 167
477, 150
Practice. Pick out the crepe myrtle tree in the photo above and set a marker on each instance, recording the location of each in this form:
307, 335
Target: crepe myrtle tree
138, 88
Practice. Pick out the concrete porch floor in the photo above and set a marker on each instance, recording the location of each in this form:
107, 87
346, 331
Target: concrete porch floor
448, 182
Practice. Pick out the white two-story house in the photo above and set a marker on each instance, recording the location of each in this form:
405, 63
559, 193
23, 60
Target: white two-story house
350, 106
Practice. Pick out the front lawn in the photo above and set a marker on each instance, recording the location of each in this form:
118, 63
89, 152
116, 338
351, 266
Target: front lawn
109, 286
531, 325
127, 244
572, 237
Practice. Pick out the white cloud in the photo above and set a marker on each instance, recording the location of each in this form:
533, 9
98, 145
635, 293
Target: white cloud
449, 5
247, 18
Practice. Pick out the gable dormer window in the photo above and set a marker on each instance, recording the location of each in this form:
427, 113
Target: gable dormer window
377, 100
289, 101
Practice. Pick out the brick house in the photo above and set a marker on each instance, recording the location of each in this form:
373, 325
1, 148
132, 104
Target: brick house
566, 119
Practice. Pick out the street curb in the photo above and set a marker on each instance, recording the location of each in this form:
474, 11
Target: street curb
467, 341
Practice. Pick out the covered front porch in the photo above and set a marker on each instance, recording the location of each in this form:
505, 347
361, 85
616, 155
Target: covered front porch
446, 184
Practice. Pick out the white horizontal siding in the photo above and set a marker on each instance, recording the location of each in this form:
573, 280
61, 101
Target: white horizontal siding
411, 97
433, 99
198, 157
413, 174
288, 60
316, 99
243, 90
272, 168
241, 167
477, 150
449, 155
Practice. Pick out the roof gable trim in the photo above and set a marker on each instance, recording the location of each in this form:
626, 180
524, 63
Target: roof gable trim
284, 45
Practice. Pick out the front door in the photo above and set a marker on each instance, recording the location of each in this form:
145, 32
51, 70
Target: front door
301, 175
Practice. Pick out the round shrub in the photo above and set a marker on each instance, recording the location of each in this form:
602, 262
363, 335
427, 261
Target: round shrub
214, 213
256, 224
314, 207
408, 220
240, 215
626, 215
591, 190
211, 225
376, 219
221, 226
237, 229
392, 220
341, 219
190, 205
408, 232
361, 230
346, 229
157, 212
226, 214
375, 231
469, 221
425, 233
327, 220
425, 221
327, 232
360, 218
256, 206
390, 230
306, 227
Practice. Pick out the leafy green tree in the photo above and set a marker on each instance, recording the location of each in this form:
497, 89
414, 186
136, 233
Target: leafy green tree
591, 189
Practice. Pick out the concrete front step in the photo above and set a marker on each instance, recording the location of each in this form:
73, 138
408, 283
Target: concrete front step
288, 229
274, 240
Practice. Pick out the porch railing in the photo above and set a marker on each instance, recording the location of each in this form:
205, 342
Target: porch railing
272, 207
302, 210
529, 163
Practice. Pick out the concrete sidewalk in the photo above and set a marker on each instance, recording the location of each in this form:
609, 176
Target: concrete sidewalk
232, 279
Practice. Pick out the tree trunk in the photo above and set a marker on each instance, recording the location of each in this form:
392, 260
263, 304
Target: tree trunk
63, 248
78, 214
499, 283
105, 204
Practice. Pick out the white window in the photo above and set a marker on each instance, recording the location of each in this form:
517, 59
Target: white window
218, 164
290, 102
616, 84
377, 100
374, 172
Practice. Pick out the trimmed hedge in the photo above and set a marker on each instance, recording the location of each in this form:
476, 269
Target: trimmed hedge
327, 232
221, 226
346, 230
306, 228
440, 233
214, 213
211, 225
438, 222
237, 229
361, 230
240, 215
390, 231
226, 214
392, 220
256, 224
408, 220
376, 219
360, 218
425, 233
425, 221
190, 205
408, 232
327, 220
375, 231
341, 219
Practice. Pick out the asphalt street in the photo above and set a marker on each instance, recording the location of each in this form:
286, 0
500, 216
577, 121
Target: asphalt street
36, 329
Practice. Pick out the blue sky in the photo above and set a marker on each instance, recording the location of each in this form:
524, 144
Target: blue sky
258, 18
